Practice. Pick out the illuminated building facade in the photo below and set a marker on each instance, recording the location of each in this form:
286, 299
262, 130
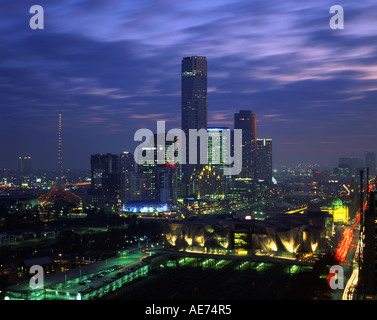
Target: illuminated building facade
61, 286
241, 189
217, 146
308, 233
338, 210
147, 208
208, 182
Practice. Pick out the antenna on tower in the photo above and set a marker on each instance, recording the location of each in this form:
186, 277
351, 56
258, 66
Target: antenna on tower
59, 193
60, 142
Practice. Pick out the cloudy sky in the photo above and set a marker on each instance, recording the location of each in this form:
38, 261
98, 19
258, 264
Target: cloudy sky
114, 66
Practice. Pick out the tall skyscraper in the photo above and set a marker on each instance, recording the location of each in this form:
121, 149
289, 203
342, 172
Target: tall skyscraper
247, 122
194, 109
194, 93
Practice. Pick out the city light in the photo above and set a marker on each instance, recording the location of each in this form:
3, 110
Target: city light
344, 245
238, 199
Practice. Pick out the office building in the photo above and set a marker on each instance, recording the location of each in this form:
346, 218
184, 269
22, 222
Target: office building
208, 183
127, 168
349, 166
194, 93
194, 109
167, 183
159, 179
24, 165
218, 140
370, 162
247, 122
105, 179
263, 170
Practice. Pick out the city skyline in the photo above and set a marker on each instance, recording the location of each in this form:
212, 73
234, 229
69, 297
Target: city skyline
311, 87
158, 150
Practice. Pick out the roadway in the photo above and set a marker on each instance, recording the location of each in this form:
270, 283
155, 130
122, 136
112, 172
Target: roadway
351, 281
346, 255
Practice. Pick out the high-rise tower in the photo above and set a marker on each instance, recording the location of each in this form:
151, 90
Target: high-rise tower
194, 109
60, 149
194, 93
59, 194
247, 122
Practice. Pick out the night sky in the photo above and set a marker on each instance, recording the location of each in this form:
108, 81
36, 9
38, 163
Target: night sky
114, 66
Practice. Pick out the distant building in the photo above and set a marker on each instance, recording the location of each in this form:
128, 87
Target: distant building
349, 166
145, 208
105, 179
142, 187
167, 183
24, 165
208, 183
263, 170
321, 175
127, 168
247, 122
338, 210
370, 162
156, 183
160, 180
